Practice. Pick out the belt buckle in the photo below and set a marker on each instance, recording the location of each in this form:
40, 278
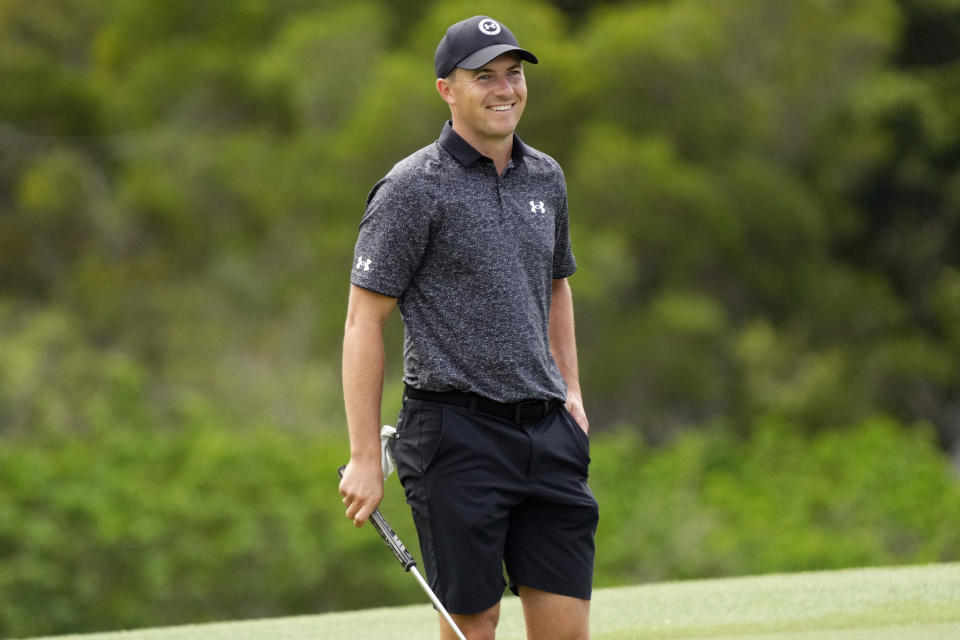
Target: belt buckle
518, 411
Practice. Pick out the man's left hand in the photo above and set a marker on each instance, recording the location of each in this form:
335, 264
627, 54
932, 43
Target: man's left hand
575, 408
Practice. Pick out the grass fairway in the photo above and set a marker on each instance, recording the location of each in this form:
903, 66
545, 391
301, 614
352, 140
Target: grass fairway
908, 603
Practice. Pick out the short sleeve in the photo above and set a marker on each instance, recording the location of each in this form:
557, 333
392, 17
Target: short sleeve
564, 263
393, 237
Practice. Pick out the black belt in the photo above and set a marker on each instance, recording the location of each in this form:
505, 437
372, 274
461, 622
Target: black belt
522, 412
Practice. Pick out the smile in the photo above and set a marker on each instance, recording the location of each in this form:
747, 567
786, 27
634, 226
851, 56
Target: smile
501, 107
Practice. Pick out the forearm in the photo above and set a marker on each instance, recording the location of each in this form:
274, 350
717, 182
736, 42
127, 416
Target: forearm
563, 341
362, 482
363, 364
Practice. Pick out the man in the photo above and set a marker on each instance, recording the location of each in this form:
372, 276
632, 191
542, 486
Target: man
469, 237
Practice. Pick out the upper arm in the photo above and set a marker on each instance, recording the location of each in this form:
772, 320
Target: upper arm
368, 307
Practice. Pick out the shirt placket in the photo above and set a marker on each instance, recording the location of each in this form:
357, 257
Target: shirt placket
507, 220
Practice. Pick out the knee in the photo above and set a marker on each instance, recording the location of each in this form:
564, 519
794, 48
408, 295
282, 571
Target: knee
478, 626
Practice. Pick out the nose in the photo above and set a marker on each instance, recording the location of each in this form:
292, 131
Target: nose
503, 86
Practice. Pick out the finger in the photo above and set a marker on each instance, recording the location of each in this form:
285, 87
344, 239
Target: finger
581, 419
362, 516
352, 509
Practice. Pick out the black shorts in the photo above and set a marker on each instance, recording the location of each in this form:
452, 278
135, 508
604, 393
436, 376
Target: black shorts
486, 491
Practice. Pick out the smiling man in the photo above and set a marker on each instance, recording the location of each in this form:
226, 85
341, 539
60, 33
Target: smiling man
469, 238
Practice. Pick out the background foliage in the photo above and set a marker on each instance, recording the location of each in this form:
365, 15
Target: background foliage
764, 202
121, 528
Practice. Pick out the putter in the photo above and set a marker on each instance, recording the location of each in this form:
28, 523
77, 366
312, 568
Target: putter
406, 561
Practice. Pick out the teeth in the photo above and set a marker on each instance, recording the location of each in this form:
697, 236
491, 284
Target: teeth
505, 107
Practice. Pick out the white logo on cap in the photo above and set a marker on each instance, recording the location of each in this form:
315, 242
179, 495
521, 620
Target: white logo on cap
489, 27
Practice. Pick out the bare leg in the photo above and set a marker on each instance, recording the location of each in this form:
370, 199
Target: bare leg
550, 616
478, 626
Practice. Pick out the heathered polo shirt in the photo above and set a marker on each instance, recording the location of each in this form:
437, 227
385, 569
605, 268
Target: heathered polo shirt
471, 257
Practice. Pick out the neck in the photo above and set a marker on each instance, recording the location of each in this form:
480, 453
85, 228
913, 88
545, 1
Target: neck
497, 149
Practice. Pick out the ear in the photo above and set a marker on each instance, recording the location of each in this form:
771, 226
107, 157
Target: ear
445, 89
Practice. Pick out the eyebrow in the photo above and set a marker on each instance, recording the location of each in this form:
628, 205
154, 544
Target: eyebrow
477, 72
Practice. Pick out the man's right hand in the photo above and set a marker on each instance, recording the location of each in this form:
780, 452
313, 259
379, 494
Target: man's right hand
362, 489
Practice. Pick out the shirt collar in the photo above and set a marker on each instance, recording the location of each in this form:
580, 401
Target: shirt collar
467, 155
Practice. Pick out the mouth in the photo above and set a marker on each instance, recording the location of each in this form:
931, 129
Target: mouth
501, 107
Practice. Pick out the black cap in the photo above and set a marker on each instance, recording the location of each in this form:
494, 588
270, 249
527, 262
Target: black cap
472, 43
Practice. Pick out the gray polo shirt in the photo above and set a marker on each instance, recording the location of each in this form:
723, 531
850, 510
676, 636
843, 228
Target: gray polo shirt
471, 257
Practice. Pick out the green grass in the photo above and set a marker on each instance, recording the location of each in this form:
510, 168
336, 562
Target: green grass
907, 603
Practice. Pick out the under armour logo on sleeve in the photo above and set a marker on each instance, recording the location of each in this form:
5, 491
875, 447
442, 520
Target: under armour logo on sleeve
537, 207
363, 264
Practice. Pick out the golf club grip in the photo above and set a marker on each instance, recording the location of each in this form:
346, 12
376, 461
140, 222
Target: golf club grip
389, 537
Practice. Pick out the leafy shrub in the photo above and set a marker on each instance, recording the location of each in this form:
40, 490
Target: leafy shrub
129, 528
712, 504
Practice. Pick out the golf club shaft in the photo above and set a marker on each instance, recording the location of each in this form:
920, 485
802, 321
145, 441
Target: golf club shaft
406, 561
436, 602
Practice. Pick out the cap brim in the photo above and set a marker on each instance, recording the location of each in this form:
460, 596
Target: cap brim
479, 58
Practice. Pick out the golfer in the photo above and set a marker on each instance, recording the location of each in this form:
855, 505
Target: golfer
469, 238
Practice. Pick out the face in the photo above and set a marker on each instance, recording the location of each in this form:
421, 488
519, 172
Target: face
488, 102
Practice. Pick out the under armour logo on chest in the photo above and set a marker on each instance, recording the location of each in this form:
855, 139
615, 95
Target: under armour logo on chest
537, 207
363, 264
